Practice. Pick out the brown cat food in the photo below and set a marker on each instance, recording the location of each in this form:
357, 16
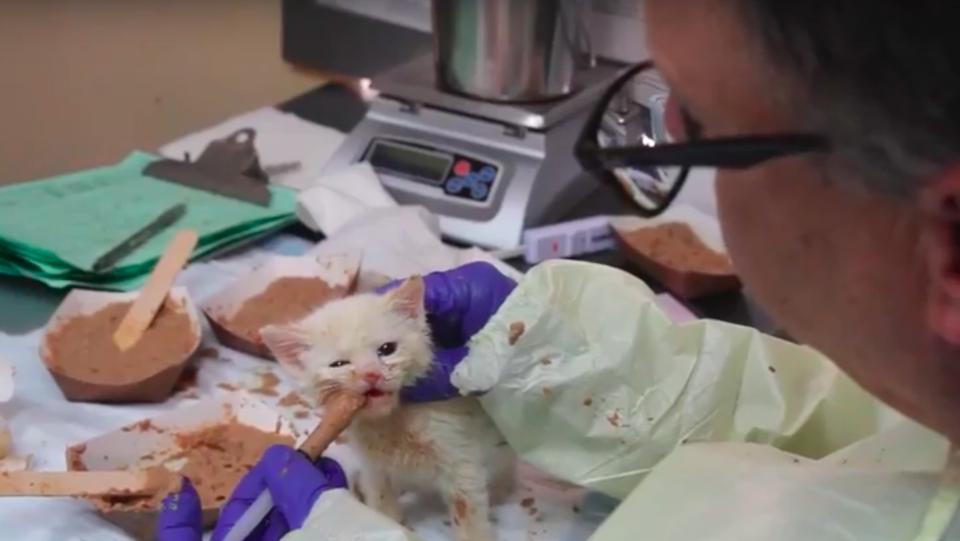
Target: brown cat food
215, 459
83, 348
268, 384
293, 398
218, 457
284, 301
675, 245
516, 331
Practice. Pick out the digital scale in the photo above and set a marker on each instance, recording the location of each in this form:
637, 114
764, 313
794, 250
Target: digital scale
487, 170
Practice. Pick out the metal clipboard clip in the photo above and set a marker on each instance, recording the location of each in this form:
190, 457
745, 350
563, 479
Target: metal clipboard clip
228, 167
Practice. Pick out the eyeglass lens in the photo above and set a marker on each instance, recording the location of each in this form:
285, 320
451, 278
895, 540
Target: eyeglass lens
639, 114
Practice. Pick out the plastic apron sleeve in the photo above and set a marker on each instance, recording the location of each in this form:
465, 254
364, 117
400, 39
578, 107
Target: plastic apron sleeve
591, 382
338, 516
734, 435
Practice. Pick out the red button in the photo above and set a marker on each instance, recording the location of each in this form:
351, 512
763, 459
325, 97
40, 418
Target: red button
461, 168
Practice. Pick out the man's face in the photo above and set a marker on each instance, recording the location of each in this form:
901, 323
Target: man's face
840, 268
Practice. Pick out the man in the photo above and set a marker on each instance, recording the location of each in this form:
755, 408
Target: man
839, 199
852, 250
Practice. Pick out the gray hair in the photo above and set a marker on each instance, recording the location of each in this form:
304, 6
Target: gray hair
879, 78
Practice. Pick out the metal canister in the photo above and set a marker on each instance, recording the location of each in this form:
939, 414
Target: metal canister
509, 50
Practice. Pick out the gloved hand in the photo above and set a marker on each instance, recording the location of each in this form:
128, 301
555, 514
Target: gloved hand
292, 480
181, 518
458, 302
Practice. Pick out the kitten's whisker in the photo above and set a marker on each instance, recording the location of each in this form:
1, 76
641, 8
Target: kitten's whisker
324, 389
327, 388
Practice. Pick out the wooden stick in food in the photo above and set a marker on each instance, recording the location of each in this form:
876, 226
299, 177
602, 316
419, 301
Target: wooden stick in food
87, 483
154, 292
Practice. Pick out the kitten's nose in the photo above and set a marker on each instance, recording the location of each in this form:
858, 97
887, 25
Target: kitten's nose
372, 378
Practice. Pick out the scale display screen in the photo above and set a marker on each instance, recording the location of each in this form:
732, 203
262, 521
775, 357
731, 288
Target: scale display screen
410, 161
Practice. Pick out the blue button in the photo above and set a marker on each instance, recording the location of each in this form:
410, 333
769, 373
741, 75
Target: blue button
479, 192
472, 179
455, 184
487, 173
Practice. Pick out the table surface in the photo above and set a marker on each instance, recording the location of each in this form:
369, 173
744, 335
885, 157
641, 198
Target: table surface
26, 305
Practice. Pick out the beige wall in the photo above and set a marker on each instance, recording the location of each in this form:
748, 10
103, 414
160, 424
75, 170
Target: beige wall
82, 82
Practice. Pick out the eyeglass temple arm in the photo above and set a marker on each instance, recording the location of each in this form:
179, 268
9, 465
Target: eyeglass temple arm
730, 152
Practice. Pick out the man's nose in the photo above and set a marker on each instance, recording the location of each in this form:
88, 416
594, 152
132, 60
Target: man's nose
372, 378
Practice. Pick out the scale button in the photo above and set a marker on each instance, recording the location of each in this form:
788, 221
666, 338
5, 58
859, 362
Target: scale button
455, 184
472, 179
461, 168
488, 173
479, 192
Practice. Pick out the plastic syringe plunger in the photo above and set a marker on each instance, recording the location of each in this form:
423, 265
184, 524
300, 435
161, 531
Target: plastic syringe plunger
339, 412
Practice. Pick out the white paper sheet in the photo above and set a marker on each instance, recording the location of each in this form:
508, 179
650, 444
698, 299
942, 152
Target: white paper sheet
44, 424
401, 242
6, 379
281, 138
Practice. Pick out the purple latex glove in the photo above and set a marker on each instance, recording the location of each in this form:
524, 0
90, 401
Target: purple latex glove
459, 302
292, 480
180, 517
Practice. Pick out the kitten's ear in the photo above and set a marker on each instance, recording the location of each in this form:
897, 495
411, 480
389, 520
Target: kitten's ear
288, 343
407, 299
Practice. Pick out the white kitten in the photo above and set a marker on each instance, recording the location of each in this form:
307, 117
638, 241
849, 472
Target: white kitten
374, 345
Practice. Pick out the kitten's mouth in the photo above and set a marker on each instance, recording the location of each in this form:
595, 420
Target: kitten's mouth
375, 393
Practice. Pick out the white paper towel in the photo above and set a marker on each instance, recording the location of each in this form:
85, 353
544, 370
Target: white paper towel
400, 242
337, 198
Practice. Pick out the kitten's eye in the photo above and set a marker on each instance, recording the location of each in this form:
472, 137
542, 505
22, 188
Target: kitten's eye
339, 363
387, 349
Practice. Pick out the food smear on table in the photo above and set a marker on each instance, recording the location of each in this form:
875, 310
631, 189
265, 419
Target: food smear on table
213, 458
267, 385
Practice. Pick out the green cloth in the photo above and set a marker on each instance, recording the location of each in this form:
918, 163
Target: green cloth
54, 229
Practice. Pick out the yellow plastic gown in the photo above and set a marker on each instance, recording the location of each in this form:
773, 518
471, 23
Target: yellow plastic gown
707, 431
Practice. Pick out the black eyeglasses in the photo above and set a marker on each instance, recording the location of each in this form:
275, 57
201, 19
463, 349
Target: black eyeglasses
626, 140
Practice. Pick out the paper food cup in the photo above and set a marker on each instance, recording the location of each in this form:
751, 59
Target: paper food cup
338, 272
152, 442
155, 386
687, 284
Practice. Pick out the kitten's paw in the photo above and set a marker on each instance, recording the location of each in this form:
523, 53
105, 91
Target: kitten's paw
391, 509
471, 522
383, 498
356, 487
474, 534
502, 487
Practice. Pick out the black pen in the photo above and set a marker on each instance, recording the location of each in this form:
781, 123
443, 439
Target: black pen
125, 248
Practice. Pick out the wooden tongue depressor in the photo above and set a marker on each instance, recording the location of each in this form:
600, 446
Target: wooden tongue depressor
151, 297
337, 415
87, 483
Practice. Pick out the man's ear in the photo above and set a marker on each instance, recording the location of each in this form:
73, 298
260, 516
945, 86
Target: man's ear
407, 299
288, 343
940, 205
